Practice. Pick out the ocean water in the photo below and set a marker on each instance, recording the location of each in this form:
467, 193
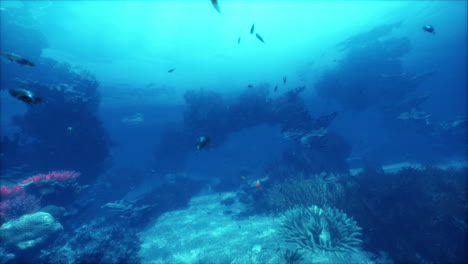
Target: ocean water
233, 132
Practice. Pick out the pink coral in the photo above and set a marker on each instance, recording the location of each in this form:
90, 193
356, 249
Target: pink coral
6, 191
16, 202
54, 175
18, 205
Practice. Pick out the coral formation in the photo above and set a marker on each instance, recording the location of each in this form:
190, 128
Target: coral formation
319, 189
208, 113
317, 229
417, 215
25, 197
28, 231
65, 129
95, 242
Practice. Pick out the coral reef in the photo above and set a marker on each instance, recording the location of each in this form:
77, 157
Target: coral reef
74, 136
64, 129
171, 195
95, 242
207, 113
319, 189
25, 197
317, 229
28, 231
416, 215
17, 205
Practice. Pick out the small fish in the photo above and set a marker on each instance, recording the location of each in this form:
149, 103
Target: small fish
202, 142
171, 70
134, 119
243, 177
238, 40
259, 37
429, 28
69, 129
216, 5
252, 28
25, 96
257, 184
250, 86
284, 79
276, 88
17, 59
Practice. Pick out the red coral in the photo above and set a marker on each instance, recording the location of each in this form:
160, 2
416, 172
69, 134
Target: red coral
15, 201
8, 191
54, 175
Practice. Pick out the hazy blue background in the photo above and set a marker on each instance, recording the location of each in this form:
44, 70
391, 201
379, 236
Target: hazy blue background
137, 42
129, 46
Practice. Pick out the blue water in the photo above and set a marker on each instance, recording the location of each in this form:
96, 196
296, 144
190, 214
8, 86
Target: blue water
348, 105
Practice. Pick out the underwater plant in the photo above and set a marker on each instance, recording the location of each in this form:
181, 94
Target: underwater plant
304, 190
316, 229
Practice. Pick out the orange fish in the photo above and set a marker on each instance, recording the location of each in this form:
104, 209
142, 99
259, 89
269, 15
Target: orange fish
257, 184
216, 5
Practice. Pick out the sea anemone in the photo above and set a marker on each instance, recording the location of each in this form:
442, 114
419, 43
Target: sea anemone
316, 229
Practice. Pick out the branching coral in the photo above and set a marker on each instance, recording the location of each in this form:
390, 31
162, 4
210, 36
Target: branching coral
318, 189
316, 229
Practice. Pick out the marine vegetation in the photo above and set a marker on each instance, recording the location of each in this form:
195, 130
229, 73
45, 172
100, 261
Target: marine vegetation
292, 257
416, 215
57, 188
316, 229
319, 189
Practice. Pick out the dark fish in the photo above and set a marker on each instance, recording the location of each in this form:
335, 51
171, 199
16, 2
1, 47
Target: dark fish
276, 88
202, 142
238, 40
216, 5
250, 86
25, 96
171, 70
259, 37
284, 79
252, 28
17, 59
429, 28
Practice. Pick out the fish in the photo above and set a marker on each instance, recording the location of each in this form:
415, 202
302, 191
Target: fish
238, 40
134, 119
259, 37
257, 184
216, 5
252, 28
276, 88
429, 28
25, 96
250, 86
17, 59
171, 70
284, 79
202, 142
